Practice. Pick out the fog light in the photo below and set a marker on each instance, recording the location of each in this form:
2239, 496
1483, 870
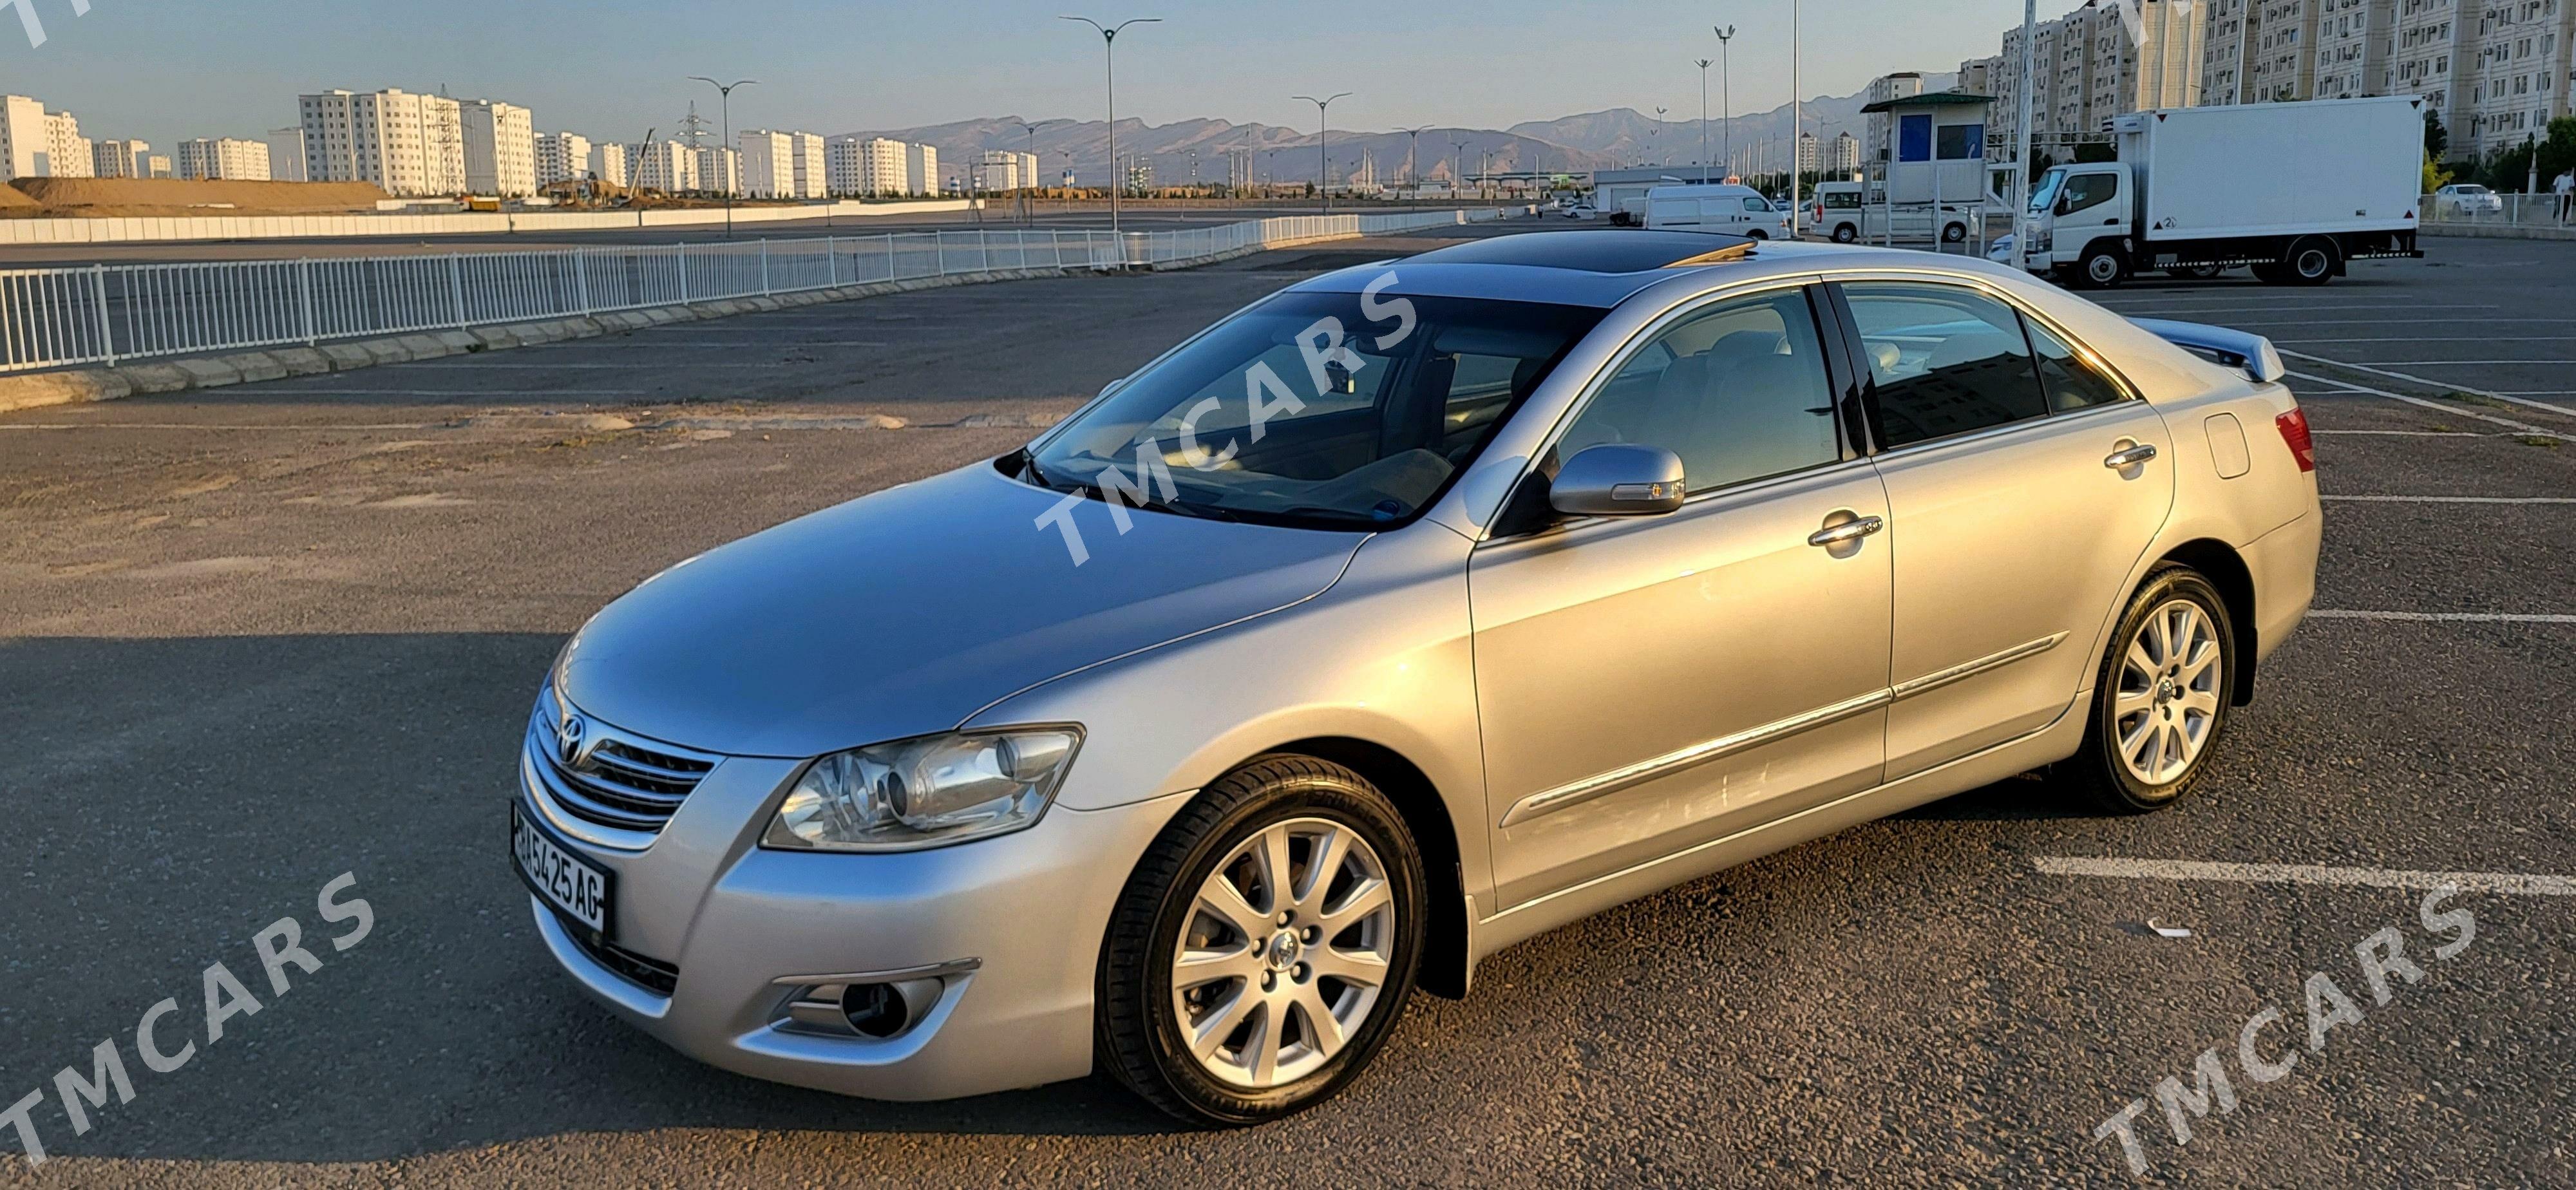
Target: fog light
875, 1009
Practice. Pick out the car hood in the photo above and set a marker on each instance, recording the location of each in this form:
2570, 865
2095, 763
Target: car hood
906, 611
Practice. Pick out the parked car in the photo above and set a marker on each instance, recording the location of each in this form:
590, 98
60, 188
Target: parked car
1583, 210
1719, 206
1406, 614
2469, 199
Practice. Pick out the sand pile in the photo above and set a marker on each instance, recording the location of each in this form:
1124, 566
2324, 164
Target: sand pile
174, 196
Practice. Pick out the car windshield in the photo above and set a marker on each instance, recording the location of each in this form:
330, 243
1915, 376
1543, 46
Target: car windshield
2472, 189
2046, 196
1324, 410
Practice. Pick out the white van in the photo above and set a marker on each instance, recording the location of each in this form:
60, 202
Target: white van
1719, 207
1841, 212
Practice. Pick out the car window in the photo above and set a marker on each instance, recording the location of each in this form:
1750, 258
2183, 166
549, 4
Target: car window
1944, 360
2084, 191
1842, 201
1756, 205
1739, 392
2071, 382
1317, 408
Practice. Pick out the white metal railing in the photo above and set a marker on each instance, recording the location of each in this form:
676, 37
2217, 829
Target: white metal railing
103, 314
2513, 210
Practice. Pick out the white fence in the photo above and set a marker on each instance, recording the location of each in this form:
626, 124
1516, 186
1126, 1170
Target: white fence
103, 314
2519, 210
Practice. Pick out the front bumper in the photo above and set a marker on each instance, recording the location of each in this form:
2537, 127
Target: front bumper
1012, 926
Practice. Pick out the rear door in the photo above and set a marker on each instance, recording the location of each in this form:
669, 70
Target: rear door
2019, 505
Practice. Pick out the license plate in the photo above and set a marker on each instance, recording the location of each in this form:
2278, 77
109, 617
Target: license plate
568, 882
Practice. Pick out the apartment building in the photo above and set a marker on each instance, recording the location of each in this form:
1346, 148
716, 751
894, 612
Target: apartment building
921, 166
411, 145
2495, 72
562, 157
608, 162
70, 154
667, 166
500, 148
2104, 59
1845, 158
286, 155
1904, 84
812, 166
768, 163
121, 159
224, 159
1005, 169
718, 170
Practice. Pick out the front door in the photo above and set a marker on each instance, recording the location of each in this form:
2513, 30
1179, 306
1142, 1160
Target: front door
2014, 532
1649, 683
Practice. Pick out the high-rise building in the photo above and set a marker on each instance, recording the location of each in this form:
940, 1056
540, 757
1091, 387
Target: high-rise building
812, 167
411, 145
666, 165
500, 148
608, 163
768, 163
1846, 154
224, 159
2494, 73
718, 169
26, 149
1811, 155
286, 155
121, 159
70, 154
562, 157
1005, 169
921, 165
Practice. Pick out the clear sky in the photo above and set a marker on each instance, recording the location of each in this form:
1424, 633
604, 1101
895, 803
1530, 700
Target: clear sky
166, 70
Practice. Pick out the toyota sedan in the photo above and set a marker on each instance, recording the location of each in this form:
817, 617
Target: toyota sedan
1406, 614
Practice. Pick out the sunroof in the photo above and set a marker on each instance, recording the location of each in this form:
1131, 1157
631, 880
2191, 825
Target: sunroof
1595, 251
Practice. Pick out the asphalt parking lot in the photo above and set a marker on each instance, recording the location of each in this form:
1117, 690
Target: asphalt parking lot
255, 638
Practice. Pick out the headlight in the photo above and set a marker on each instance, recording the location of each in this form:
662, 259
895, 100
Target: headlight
926, 792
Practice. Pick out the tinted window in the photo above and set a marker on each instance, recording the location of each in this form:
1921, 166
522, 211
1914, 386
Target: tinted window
1842, 200
1363, 416
1739, 392
2072, 383
1945, 360
1756, 205
2090, 190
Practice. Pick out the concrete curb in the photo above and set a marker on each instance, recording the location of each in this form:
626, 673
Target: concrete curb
170, 376
2480, 231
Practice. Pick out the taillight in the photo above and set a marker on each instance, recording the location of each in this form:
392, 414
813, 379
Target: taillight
2294, 430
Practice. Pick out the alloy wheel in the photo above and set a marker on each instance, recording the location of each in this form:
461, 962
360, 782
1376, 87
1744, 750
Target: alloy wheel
1288, 945
2170, 687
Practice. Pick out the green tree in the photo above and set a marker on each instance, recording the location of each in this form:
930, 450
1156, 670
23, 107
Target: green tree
2094, 150
2558, 150
2437, 139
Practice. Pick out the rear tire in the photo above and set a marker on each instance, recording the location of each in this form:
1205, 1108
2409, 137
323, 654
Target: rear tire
1316, 937
2311, 261
1845, 233
1956, 233
2270, 273
2160, 699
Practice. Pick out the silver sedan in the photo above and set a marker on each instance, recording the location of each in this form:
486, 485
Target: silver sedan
1403, 615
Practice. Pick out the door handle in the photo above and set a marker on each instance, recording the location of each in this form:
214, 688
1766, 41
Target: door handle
2122, 460
1848, 531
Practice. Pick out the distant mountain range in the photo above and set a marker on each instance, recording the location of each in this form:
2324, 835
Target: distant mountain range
1614, 139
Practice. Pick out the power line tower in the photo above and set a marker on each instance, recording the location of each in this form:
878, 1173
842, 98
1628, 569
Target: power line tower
695, 133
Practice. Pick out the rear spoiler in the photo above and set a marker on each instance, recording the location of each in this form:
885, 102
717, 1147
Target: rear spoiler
2235, 349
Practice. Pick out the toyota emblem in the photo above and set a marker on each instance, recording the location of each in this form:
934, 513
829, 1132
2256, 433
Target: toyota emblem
568, 737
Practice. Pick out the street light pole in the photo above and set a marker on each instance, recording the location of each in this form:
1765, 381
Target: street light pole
1797, 123
1726, 92
1413, 176
1458, 169
1109, 47
724, 96
1323, 137
1703, 119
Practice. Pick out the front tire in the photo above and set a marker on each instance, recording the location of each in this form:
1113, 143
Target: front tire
2102, 268
2161, 697
1956, 233
2310, 262
1264, 947
1845, 233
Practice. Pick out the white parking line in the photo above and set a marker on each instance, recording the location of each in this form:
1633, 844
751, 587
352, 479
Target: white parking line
2401, 433
2455, 363
2440, 617
2153, 310
479, 365
2453, 410
2523, 399
2443, 339
2176, 869
2455, 499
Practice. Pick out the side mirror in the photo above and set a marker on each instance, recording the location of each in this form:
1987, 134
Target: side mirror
1619, 479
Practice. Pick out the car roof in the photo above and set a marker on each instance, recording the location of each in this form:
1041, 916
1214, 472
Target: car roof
1591, 268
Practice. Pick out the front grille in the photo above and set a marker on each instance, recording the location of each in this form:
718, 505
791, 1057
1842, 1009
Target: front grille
653, 975
611, 778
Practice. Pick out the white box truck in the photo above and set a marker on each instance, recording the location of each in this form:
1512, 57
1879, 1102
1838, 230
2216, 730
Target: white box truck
2295, 190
